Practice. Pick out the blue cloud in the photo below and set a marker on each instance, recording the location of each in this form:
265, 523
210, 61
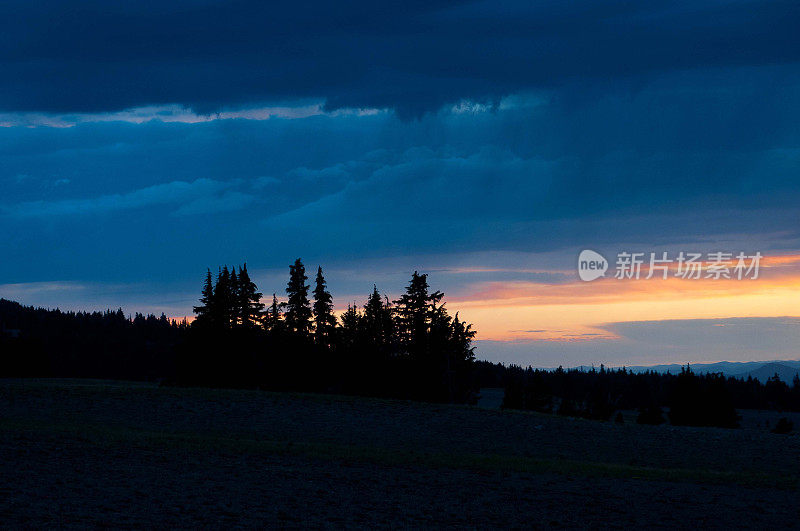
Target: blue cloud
685, 157
199, 196
90, 56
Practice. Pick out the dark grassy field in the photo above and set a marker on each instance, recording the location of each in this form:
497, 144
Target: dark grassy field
78, 453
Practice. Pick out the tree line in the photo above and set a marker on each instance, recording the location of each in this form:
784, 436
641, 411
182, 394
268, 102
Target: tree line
686, 398
38, 342
410, 347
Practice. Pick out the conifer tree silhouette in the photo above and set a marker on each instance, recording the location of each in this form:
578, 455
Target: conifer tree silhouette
298, 307
776, 392
349, 330
232, 299
413, 350
274, 319
205, 310
222, 298
701, 401
438, 345
249, 303
324, 319
452, 344
414, 311
377, 322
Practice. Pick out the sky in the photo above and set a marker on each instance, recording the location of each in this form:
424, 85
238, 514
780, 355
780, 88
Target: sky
143, 142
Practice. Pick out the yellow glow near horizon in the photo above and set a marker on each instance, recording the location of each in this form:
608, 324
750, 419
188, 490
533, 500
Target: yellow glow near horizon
576, 311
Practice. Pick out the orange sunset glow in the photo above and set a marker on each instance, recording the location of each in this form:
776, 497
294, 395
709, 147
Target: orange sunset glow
576, 310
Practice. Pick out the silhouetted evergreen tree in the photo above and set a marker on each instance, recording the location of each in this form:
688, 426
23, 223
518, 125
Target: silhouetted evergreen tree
298, 307
703, 401
377, 324
527, 389
249, 305
274, 320
232, 299
777, 393
205, 311
349, 330
223, 298
599, 404
452, 339
686, 399
438, 346
414, 311
324, 319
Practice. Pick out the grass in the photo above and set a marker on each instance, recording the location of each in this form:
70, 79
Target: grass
106, 436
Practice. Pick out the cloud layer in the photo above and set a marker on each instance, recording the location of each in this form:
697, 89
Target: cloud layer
90, 56
681, 160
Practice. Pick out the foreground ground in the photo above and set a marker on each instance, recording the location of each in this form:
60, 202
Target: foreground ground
75, 453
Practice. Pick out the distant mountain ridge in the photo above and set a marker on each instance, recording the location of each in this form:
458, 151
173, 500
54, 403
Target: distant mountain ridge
768, 370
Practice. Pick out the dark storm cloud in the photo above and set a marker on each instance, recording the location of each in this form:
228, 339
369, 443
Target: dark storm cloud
686, 157
413, 56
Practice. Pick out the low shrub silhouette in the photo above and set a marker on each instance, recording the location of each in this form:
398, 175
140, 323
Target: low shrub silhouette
650, 414
783, 426
568, 408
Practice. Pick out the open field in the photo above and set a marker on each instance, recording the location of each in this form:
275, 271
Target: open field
108, 453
